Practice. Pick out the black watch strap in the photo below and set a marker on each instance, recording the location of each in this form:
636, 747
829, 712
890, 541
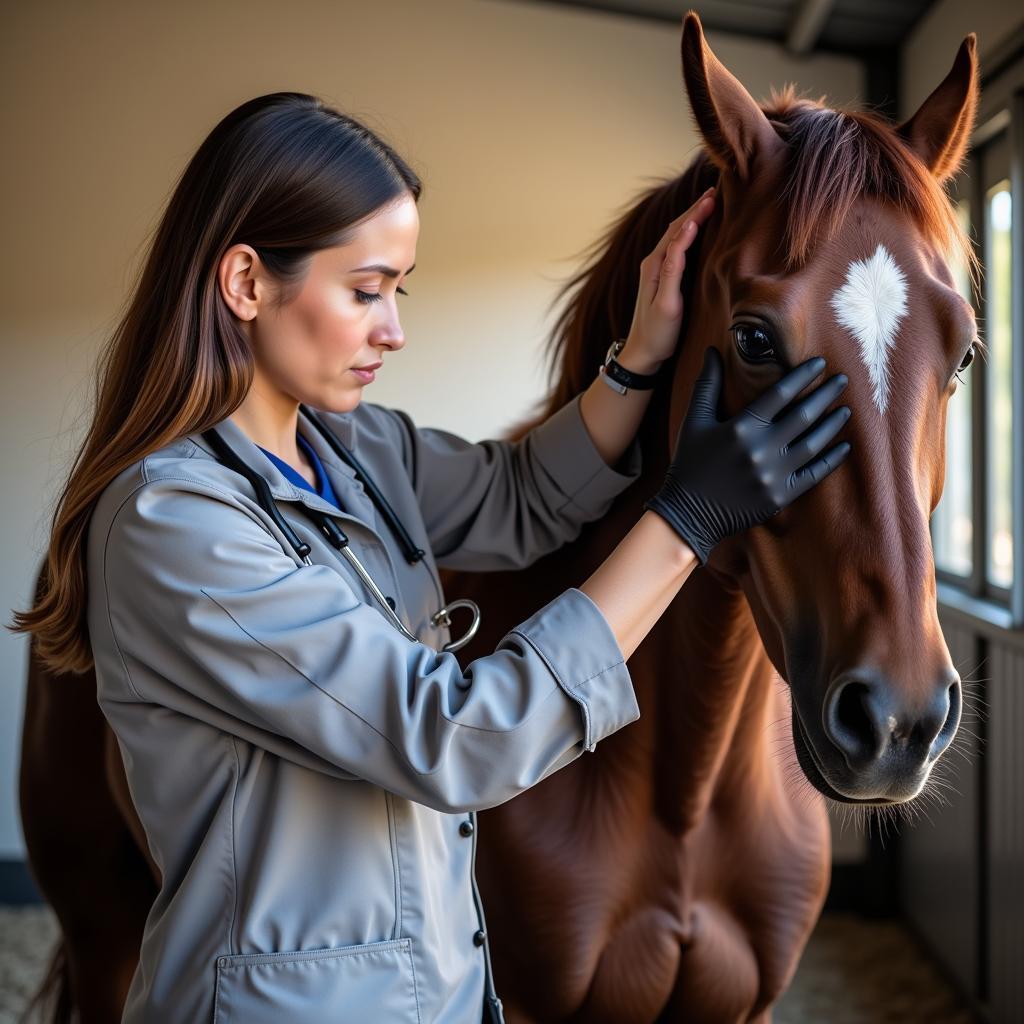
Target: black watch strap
618, 378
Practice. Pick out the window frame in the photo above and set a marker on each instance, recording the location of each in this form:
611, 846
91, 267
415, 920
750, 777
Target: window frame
1000, 124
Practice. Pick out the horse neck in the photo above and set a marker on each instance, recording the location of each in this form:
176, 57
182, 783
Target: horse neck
712, 714
711, 717
707, 726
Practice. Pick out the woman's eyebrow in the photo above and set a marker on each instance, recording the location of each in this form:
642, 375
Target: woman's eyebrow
380, 268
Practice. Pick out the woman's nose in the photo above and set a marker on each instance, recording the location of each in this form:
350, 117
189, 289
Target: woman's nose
389, 334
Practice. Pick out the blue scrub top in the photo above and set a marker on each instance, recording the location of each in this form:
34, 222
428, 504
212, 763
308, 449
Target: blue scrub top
323, 485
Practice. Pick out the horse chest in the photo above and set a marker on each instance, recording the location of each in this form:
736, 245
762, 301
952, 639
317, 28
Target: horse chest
650, 926
757, 881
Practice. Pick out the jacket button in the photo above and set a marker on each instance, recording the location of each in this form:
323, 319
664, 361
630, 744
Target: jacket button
466, 829
391, 602
479, 938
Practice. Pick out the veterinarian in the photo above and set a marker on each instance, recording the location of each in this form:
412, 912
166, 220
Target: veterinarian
249, 552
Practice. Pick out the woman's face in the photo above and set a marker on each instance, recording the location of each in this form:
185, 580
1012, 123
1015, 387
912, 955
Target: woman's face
344, 317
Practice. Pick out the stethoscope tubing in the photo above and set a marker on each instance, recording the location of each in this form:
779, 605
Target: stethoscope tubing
337, 538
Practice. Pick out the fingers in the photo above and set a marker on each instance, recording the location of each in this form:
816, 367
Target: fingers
706, 389
666, 262
815, 440
775, 398
698, 213
807, 411
813, 473
663, 287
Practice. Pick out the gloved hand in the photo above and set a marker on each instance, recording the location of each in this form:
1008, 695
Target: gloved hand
728, 475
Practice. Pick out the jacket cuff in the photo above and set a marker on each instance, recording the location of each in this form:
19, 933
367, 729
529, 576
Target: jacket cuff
567, 452
579, 648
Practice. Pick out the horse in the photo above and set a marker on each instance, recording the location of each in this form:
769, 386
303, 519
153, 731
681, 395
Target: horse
675, 872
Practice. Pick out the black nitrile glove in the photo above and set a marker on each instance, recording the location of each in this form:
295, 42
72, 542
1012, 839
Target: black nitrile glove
728, 475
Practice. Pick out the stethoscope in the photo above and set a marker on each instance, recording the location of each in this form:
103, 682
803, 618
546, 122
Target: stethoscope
337, 538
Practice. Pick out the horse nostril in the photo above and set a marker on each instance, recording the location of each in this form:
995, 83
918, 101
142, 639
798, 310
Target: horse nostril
852, 722
954, 704
867, 720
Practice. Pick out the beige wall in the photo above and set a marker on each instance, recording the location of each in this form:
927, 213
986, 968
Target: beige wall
929, 51
531, 125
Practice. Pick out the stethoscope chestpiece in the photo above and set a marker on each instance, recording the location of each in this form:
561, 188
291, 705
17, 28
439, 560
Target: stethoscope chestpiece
443, 618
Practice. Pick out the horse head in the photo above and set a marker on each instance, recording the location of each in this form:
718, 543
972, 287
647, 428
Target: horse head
832, 236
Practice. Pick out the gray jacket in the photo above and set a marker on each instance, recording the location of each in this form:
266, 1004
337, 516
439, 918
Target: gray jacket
304, 773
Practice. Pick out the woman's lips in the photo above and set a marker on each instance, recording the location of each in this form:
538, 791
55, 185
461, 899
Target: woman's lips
366, 375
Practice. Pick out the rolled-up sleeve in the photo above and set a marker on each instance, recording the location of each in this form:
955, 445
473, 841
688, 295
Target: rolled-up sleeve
496, 504
211, 619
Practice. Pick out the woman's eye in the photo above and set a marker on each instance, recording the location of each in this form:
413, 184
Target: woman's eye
368, 297
754, 342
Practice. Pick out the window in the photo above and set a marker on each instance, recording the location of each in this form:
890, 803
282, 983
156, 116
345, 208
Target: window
973, 528
999, 411
951, 522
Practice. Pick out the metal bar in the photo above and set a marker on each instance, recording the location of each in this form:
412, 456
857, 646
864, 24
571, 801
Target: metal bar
1017, 343
982, 910
979, 449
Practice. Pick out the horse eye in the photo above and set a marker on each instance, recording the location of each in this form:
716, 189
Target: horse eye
754, 342
967, 359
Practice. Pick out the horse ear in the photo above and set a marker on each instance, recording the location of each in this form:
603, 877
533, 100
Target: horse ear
940, 131
732, 124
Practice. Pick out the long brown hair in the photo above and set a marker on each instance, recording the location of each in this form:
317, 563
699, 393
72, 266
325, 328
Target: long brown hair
283, 173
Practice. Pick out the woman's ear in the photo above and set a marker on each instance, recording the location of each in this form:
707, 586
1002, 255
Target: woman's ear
940, 131
735, 130
237, 280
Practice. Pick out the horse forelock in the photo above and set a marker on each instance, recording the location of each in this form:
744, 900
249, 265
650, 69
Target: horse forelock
836, 157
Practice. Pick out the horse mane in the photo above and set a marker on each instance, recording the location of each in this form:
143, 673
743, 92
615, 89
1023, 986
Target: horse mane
602, 296
835, 157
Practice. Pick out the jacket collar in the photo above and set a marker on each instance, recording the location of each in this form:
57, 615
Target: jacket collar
349, 490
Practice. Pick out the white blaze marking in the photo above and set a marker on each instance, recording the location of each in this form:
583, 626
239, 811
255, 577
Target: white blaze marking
870, 305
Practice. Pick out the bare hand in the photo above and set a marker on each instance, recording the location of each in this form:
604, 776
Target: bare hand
659, 303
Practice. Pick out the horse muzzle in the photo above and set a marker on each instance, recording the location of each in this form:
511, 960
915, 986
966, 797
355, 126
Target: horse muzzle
872, 743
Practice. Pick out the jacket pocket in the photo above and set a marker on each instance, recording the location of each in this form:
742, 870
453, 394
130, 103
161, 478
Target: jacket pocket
346, 985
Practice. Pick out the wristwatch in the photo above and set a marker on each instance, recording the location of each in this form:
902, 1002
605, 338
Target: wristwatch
618, 378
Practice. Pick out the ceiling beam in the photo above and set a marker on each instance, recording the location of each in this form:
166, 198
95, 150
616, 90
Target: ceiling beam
807, 24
